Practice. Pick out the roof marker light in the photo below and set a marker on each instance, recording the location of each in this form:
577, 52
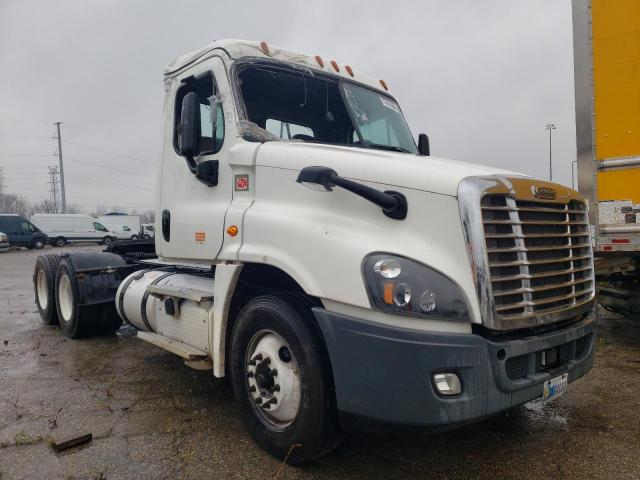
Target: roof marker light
384, 85
264, 47
335, 65
320, 61
349, 70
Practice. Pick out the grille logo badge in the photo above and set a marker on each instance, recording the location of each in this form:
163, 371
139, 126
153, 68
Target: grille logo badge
544, 193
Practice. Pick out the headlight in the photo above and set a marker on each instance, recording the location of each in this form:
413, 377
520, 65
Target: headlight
404, 287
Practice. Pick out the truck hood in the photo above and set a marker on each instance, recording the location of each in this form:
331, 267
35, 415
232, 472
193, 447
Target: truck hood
431, 174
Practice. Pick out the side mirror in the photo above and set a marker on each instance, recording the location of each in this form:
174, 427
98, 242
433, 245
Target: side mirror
423, 145
189, 128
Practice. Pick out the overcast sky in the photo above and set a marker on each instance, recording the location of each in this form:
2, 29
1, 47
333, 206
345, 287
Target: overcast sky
482, 78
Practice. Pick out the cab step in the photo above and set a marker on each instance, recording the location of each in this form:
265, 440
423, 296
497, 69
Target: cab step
181, 349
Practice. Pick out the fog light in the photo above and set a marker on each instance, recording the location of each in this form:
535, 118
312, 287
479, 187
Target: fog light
447, 383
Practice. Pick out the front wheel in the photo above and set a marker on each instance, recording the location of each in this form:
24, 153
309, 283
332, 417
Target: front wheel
60, 242
282, 379
107, 240
38, 244
134, 237
146, 236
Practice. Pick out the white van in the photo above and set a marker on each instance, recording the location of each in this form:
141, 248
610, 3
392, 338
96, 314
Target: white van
125, 226
70, 228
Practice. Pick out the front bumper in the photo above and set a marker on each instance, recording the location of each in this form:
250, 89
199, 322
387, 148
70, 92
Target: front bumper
384, 373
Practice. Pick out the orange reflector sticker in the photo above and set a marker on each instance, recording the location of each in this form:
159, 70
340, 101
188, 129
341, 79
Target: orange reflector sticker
349, 70
200, 236
319, 60
384, 84
335, 66
265, 47
388, 293
232, 230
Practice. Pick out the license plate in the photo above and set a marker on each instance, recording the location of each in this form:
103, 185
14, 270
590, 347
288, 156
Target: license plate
555, 387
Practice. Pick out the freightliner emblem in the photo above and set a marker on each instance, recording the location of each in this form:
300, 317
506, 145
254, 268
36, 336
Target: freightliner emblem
544, 193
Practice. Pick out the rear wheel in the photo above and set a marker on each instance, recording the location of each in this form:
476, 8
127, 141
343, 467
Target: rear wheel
78, 320
107, 240
60, 242
44, 286
282, 379
146, 236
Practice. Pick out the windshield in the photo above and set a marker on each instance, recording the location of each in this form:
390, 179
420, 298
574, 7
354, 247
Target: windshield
297, 104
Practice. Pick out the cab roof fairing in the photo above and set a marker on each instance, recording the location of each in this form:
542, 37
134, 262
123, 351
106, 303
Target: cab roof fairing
237, 49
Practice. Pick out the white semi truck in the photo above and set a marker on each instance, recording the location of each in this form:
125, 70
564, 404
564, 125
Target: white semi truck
341, 276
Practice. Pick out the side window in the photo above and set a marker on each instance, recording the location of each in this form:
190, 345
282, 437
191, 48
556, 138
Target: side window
99, 227
211, 113
287, 130
25, 226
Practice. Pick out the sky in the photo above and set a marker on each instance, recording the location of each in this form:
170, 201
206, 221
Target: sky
481, 78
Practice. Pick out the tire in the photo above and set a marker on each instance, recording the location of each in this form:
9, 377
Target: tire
38, 244
81, 321
146, 236
60, 242
134, 237
304, 424
107, 240
44, 277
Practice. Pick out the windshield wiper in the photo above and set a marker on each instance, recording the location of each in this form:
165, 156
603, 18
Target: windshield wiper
391, 148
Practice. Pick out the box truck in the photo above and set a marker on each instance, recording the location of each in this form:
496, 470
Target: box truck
65, 228
311, 250
607, 79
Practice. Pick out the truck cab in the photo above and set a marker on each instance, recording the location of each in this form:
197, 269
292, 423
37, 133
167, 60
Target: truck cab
342, 276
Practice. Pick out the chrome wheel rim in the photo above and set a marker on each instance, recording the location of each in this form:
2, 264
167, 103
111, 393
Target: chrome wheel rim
42, 289
65, 297
273, 379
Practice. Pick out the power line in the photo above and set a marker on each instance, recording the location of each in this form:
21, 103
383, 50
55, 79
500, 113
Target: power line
73, 159
109, 152
27, 155
25, 136
135, 187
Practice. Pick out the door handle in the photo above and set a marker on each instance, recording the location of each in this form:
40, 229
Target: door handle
166, 225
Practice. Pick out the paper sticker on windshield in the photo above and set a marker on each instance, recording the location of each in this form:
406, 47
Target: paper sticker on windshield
390, 104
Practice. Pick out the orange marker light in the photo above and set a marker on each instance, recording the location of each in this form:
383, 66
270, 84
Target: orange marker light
388, 293
384, 84
348, 69
335, 66
265, 47
319, 60
232, 230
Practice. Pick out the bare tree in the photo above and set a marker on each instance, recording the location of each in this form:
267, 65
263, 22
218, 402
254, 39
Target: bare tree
45, 206
148, 216
10, 203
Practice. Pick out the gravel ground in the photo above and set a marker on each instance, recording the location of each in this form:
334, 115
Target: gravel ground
152, 417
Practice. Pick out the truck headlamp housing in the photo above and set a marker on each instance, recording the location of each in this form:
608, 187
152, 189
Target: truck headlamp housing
405, 287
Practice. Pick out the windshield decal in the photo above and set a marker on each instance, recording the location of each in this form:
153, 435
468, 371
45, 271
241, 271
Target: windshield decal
390, 104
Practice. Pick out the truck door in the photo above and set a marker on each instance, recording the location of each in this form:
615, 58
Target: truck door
191, 212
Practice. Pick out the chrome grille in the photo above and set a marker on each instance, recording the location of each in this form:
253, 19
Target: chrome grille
539, 255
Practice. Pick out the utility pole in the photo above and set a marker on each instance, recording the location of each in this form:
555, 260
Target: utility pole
53, 176
1, 180
62, 190
549, 127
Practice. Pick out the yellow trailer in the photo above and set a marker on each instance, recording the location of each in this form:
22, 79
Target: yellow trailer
607, 90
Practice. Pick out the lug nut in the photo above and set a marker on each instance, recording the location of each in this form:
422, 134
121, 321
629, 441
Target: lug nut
259, 400
266, 406
267, 361
252, 362
276, 388
257, 357
274, 372
250, 374
273, 400
252, 388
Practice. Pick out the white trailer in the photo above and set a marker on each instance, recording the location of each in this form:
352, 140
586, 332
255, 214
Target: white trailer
397, 289
72, 228
125, 226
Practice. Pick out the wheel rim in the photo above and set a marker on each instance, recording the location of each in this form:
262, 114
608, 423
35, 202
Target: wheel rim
65, 297
273, 379
42, 289
60, 243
